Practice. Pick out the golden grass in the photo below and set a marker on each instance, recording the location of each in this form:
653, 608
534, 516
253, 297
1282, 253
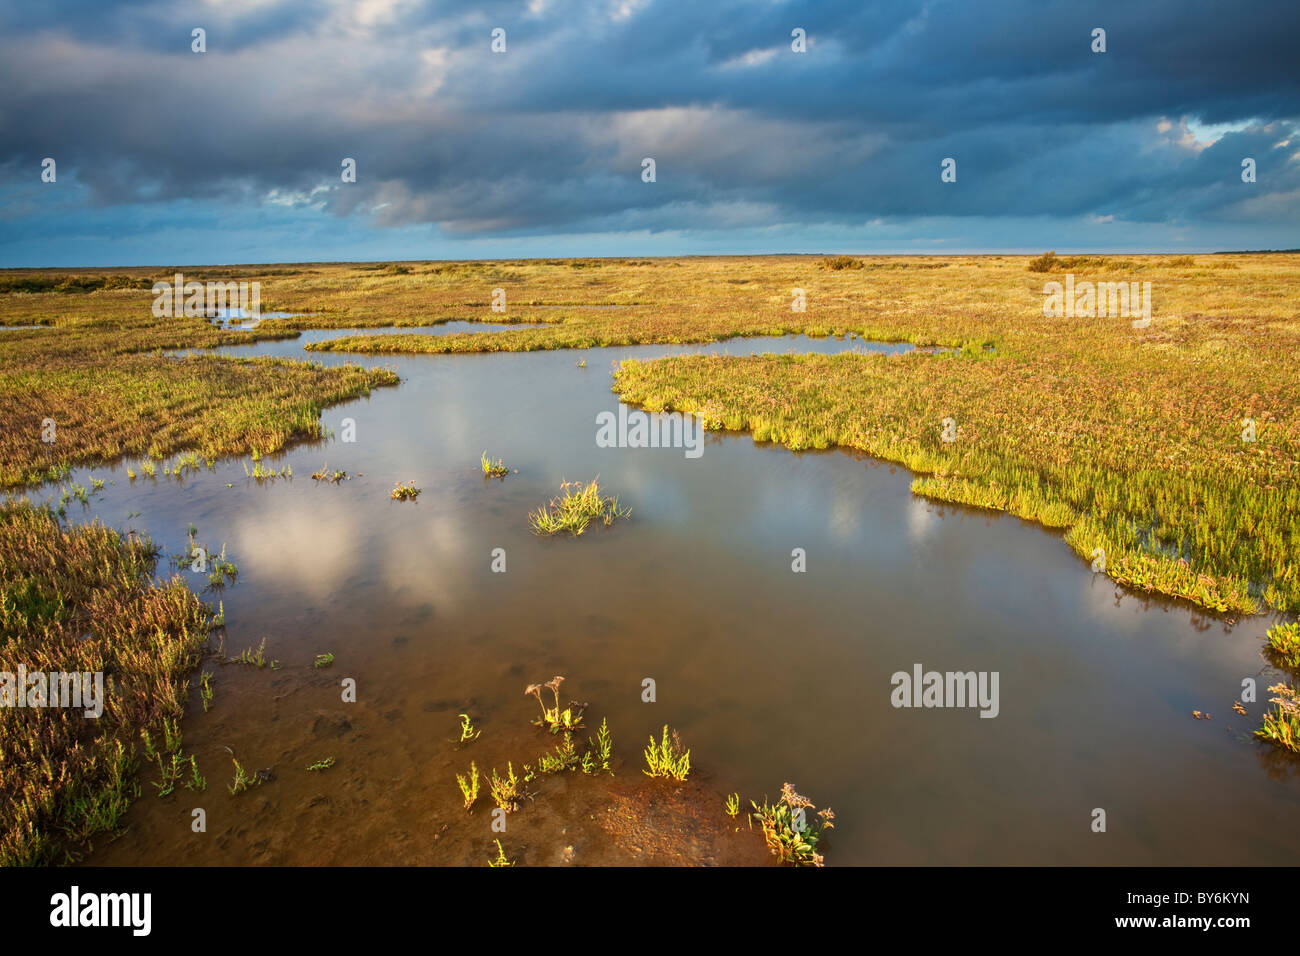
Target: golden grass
81, 600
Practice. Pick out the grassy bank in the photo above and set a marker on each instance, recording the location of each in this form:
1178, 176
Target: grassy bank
82, 600
110, 392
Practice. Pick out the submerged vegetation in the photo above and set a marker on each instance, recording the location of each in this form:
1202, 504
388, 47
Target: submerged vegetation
81, 600
576, 507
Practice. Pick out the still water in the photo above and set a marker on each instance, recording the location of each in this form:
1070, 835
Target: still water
769, 675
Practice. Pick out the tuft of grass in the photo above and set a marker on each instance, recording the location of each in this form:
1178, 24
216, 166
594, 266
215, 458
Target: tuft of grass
468, 784
501, 858
1282, 726
243, 779
407, 492
599, 758
323, 660
493, 470
320, 765
576, 507
789, 834
504, 790
329, 477
1284, 645
667, 758
836, 263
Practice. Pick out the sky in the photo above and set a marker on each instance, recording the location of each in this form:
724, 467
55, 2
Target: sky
164, 155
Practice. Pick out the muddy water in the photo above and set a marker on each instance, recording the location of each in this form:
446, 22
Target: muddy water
769, 675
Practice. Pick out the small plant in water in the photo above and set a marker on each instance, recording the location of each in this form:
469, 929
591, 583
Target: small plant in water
501, 859
250, 656
467, 731
491, 470
1284, 645
557, 718
600, 754
407, 492
576, 507
243, 779
331, 477
469, 785
324, 660
505, 790
320, 765
733, 805
205, 690
667, 758
787, 831
1282, 727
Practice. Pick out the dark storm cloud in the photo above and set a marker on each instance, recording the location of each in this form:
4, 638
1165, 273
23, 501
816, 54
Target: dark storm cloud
549, 136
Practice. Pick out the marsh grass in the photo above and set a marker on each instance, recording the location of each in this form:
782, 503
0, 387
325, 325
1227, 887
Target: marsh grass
575, 508
113, 394
1282, 726
501, 858
667, 758
468, 784
491, 469
504, 790
83, 599
1125, 440
789, 834
243, 779
1284, 645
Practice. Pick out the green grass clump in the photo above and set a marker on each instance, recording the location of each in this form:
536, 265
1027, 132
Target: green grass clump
504, 790
575, 508
492, 469
667, 758
790, 836
1282, 726
501, 858
243, 779
320, 765
469, 785
1284, 645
